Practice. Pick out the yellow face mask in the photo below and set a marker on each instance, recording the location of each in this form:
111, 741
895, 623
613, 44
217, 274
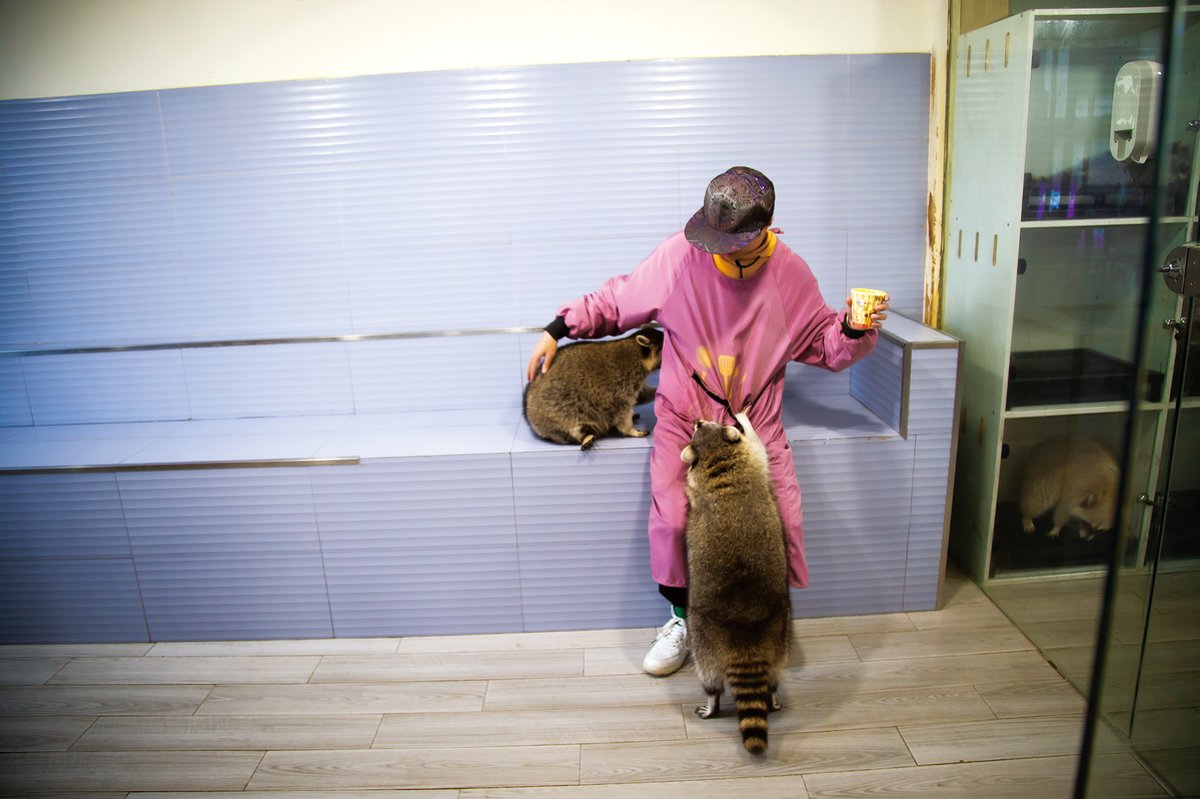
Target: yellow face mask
749, 263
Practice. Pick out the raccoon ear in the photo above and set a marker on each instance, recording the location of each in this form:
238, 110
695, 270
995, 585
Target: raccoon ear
688, 455
732, 434
643, 340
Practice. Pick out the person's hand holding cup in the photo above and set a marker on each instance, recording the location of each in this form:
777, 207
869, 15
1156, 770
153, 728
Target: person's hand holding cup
868, 308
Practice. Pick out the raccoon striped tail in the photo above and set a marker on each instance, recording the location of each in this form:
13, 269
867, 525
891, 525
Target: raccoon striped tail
751, 688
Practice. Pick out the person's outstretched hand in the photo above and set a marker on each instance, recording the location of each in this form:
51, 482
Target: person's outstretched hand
543, 353
876, 318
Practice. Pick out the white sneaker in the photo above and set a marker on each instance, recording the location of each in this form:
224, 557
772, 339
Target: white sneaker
670, 649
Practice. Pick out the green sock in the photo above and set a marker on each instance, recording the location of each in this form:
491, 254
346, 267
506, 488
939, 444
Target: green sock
680, 613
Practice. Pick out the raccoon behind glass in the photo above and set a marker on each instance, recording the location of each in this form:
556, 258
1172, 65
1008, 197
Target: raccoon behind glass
1069, 479
592, 388
739, 615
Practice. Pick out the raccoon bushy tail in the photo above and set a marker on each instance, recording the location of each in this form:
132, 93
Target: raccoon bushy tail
752, 692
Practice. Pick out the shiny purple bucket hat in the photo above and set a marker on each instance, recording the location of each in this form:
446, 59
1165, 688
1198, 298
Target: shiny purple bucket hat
738, 204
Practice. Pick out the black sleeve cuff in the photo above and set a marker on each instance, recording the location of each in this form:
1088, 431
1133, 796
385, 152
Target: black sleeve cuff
558, 328
851, 332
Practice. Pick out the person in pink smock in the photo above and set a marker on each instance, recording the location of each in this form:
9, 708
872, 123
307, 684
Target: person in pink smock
736, 305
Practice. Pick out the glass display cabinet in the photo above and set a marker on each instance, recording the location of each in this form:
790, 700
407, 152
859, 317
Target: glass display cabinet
1052, 175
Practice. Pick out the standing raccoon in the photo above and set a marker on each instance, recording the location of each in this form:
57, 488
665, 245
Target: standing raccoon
1072, 477
592, 387
739, 610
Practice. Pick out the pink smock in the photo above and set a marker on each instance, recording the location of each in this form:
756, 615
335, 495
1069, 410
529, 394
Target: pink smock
737, 336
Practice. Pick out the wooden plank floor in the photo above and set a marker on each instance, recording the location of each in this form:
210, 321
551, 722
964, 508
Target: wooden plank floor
950, 703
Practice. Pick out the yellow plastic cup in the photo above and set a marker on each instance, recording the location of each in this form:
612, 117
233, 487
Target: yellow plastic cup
862, 305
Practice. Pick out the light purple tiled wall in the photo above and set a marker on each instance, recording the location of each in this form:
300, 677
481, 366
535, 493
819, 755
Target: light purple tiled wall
399, 203
427, 201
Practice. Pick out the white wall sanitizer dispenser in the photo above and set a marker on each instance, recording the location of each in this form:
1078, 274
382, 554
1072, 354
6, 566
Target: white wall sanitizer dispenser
1135, 111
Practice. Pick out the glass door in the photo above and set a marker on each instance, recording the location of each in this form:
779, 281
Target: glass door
1165, 719
1145, 698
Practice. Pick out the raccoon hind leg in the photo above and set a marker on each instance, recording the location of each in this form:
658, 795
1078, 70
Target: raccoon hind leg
773, 703
625, 426
713, 682
1063, 513
585, 435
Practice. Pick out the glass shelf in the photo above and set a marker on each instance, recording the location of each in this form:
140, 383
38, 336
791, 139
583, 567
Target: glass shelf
1075, 376
1077, 409
1070, 173
1130, 221
1075, 316
1078, 546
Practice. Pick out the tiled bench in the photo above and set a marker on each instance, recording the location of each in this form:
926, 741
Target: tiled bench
390, 487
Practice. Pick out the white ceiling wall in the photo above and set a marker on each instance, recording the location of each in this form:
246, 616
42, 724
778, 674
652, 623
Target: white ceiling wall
51, 48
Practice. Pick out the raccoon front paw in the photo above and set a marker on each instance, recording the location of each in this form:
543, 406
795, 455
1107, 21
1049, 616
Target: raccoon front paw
587, 442
1053, 532
1027, 525
707, 711
639, 433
